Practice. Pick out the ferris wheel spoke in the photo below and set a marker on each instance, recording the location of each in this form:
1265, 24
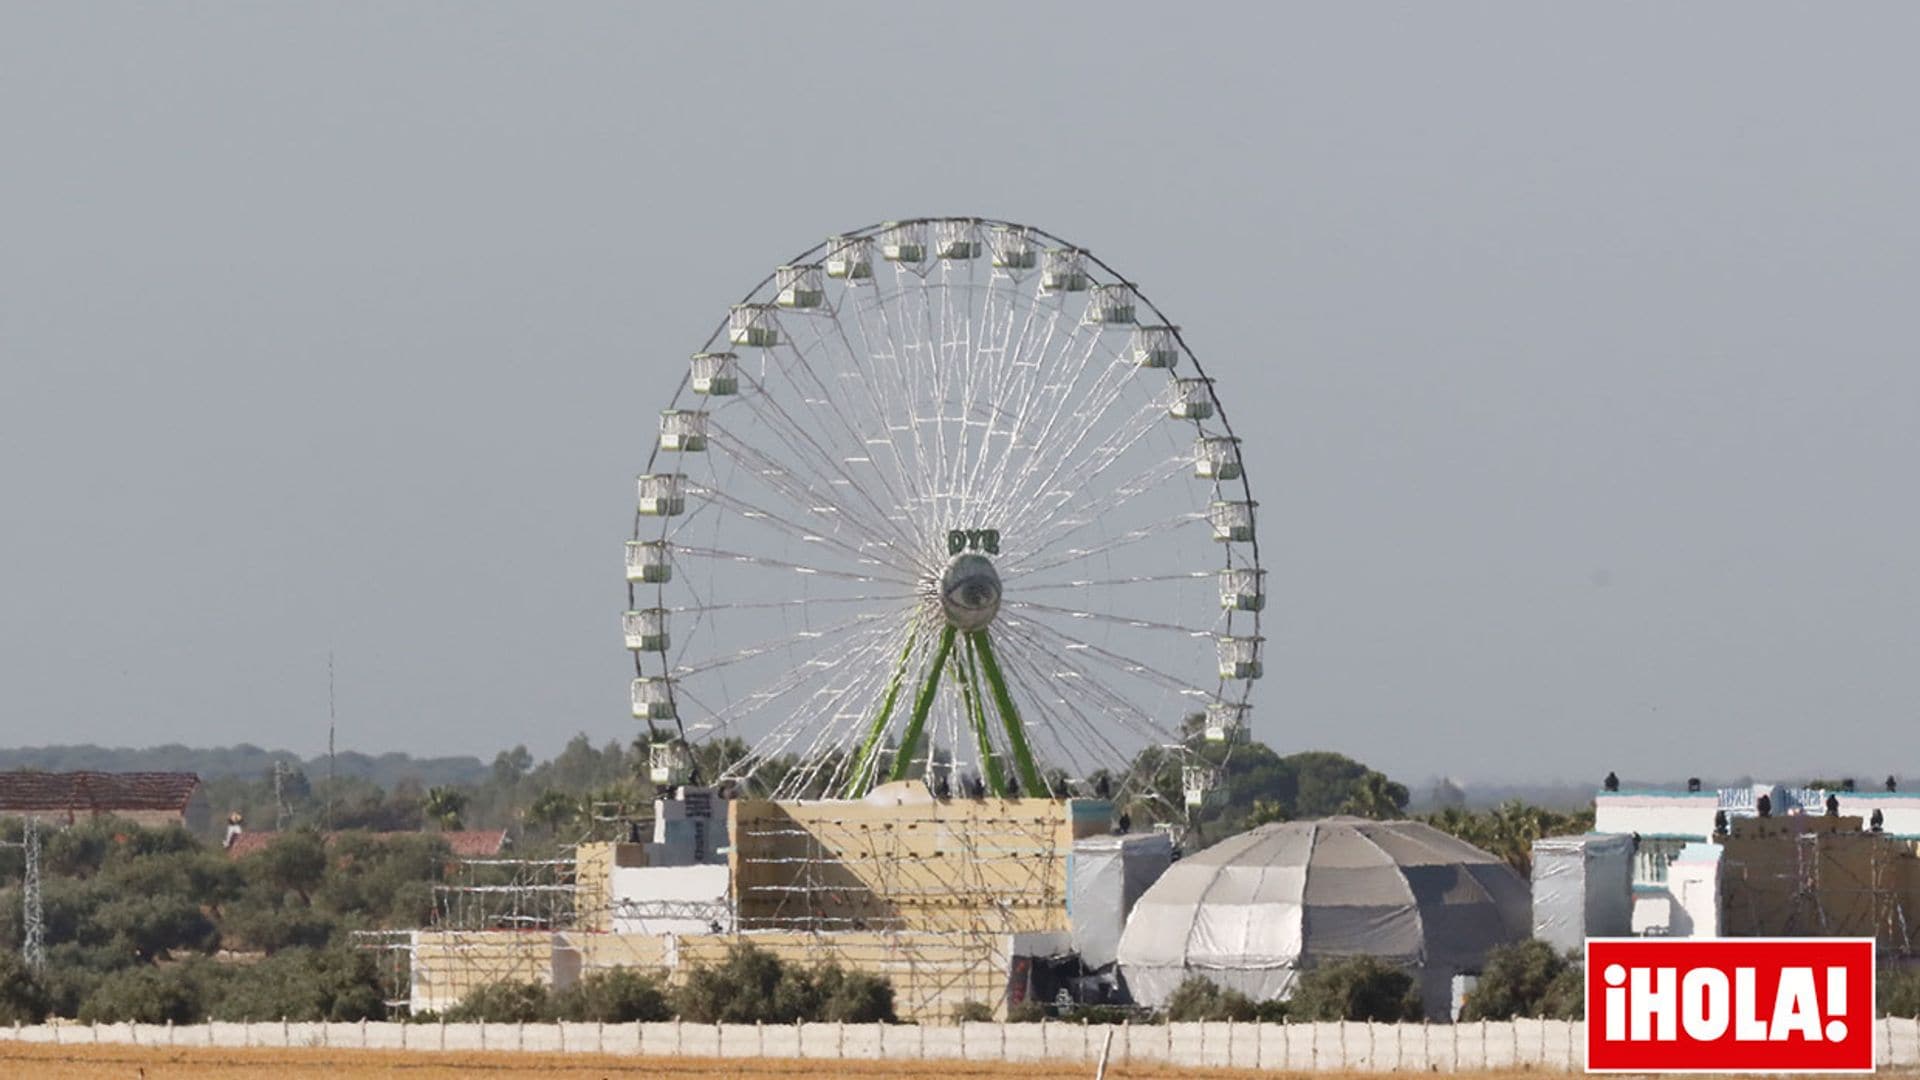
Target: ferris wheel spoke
1109, 617
1052, 398
782, 564
878, 391
1027, 586
858, 554
862, 438
804, 448
769, 605
1055, 494
1063, 522
1046, 668
774, 474
884, 347
1124, 540
869, 643
1117, 661
771, 645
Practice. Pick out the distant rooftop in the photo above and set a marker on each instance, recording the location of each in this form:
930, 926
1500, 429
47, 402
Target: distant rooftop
96, 792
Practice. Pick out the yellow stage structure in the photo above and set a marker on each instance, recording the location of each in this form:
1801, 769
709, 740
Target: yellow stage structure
950, 899
1804, 875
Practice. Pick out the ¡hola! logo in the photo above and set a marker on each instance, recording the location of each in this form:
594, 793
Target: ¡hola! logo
1730, 1005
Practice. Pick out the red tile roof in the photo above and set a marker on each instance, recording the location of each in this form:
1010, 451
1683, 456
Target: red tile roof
96, 792
467, 843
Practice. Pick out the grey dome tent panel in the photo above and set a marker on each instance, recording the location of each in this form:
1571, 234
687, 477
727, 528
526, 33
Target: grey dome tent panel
1255, 910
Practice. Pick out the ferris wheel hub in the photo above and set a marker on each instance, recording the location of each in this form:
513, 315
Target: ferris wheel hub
970, 592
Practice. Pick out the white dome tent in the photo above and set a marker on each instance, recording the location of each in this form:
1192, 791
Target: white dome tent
1253, 911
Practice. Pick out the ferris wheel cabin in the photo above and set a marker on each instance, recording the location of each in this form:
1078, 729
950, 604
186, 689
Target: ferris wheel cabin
1217, 457
1240, 657
752, 326
799, 286
648, 563
653, 698
669, 763
647, 630
1154, 346
1192, 399
849, 258
662, 494
1243, 588
715, 374
1013, 249
1232, 522
903, 243
1226, 721
683, 430
1112, 305
955, 240
1064, 270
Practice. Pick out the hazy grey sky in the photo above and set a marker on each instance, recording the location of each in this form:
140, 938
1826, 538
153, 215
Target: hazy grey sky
1574, 347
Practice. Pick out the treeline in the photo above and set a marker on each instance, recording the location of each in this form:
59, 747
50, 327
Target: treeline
588, 788
157, 924
244, 760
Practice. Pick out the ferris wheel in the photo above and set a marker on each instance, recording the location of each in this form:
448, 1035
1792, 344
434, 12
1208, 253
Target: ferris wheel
945, 498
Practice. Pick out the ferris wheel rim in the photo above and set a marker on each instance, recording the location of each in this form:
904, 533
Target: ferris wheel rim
868, 233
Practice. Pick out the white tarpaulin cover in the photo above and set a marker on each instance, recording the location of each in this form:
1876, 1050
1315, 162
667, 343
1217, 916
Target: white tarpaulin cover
1582, 888
1254, 910
1106, 876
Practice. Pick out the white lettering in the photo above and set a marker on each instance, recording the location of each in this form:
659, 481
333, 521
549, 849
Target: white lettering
1747, 1025
1796, 1009
1651, 1012
1703, 1004
1615, 975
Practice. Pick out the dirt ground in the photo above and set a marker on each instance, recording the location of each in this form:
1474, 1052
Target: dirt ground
33, 1062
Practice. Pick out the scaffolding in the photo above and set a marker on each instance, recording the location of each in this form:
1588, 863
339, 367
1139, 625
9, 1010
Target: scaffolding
937, 892
1818, 876
507, 894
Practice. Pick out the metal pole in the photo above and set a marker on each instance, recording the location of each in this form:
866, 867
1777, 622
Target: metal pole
33, 946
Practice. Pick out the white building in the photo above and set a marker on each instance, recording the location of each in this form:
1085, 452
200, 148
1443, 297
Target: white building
1665, 822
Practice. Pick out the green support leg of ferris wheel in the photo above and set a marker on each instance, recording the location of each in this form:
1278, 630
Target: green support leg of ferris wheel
1016, 735
977, 715
921, 705
860, 779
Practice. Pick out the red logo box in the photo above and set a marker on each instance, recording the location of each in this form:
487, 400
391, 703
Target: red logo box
1730, 1005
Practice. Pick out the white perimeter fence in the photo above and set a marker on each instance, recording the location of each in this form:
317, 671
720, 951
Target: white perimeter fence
1549, 1045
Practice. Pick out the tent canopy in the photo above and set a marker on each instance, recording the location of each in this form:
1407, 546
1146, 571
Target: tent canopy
1254, 910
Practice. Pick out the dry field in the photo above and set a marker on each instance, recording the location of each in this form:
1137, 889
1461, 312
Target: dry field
38, 1061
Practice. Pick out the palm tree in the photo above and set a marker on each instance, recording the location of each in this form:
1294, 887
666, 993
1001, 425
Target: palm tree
444, 806
553, 810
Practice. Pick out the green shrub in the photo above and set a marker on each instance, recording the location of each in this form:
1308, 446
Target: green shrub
750, 986
853, 997
972, 1012
1898, 993
23, 997
754, 986
504, 1003
1200, 998
148, 995
1357, 988
1527, 978
300, 984
1030, 1011
615, 996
